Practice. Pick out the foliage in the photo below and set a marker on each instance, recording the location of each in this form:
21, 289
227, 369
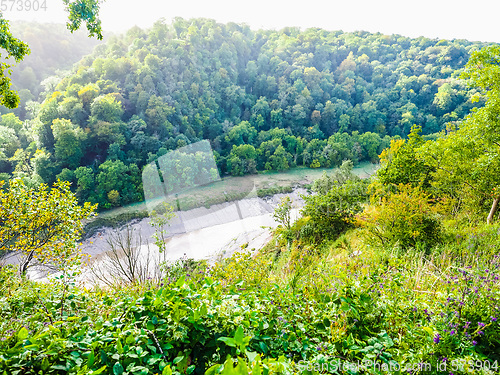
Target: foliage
400, 163
333, 212
338, 178
43, 224
282, 212
266, 100
160, 220
16, 49
242, 314
407, 217
86, 10
464, 162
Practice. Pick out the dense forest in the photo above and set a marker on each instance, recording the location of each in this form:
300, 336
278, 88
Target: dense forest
266, 100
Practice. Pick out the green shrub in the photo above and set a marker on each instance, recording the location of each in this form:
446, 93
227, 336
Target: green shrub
407, 217
333, 212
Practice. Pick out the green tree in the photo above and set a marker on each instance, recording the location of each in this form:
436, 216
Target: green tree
469, 158
401, 164
79, 11
282, 212
68, 146
407, 217
17, 50
332, 213
43, 224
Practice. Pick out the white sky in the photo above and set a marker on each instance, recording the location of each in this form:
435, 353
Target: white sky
476, 20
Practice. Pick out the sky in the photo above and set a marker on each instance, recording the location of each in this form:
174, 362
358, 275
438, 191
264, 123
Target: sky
443, 19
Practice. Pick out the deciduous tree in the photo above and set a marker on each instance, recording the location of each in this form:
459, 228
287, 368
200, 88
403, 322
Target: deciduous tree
43, 224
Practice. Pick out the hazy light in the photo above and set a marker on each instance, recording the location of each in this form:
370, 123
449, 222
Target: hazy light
475, 21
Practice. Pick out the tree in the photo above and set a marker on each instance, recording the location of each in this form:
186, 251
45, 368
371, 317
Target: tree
483, 125
468, 159
282, 213
86, 11
332, 213
15, 49
68, 145
401, 164
43, 224
79, 11
407, 217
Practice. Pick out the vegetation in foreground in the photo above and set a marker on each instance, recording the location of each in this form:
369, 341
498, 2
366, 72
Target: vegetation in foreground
325, 296
343, 301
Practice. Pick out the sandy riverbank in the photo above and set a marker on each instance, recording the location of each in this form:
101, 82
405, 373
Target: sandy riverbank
204, 233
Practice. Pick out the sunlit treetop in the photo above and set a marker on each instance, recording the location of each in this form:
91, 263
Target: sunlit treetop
79, 11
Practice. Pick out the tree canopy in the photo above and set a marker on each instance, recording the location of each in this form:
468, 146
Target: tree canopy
266, 100
44, 225
79, 11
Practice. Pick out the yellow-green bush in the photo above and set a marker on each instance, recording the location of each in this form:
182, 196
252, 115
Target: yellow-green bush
407, 217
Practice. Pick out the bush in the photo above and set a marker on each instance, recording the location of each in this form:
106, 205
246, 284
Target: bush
333, 212
407, 217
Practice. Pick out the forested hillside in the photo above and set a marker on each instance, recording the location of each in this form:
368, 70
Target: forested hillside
52, 48
266, 100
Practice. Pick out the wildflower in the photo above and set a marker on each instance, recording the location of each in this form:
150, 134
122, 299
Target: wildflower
474, 342
452, 332
437, 338
480, 324
480, 333
493, 319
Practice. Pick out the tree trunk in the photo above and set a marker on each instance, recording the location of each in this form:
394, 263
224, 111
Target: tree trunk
494, 207
23, 266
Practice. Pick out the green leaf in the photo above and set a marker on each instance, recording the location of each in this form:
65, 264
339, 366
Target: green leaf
45, 364
130, 339
239, 336
117, 369
166, 370
215, 369
228, 341
119, 347
101, 370
90, 359
178, 359
22, 334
